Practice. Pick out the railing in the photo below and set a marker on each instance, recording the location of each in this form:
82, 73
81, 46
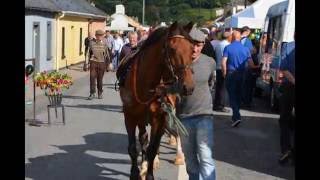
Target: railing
33, 121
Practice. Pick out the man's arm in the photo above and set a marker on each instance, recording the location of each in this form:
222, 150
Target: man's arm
285, 64
87, 55
107, 59
251, 64
289, 76
224, 66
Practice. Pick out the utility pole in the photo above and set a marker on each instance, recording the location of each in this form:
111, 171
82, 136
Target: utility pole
143, 8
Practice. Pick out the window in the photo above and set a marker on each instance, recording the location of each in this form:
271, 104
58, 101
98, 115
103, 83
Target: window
49, 41
63, 55
274, 35
80, 48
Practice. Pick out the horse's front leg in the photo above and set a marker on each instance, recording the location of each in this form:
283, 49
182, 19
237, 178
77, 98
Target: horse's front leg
157, 130
143, 139
132, 150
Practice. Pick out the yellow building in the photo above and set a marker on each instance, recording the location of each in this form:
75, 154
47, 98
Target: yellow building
72, 26
71, 32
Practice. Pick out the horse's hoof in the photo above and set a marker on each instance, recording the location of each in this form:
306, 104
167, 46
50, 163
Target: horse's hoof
144, 169
172, 141
179, 160
156, 163
134, 173
150, 177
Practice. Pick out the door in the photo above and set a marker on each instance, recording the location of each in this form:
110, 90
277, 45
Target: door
36, 45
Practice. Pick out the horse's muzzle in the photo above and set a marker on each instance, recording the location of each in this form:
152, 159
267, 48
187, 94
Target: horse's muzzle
187, 90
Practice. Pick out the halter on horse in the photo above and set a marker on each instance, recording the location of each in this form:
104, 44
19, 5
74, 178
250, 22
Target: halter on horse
166, 57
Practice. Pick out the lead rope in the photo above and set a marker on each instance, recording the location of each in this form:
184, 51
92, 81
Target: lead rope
173, 120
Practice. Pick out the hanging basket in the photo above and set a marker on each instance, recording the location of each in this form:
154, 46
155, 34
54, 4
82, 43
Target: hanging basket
55, 100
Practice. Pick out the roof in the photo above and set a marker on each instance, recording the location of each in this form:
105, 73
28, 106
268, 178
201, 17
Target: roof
253, 16
278, 9
43, 5
70, 7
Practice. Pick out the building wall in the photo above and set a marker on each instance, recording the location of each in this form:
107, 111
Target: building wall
44, 63
97, 24
72, 27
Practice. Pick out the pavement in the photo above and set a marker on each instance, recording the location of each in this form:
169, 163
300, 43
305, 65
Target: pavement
93, 143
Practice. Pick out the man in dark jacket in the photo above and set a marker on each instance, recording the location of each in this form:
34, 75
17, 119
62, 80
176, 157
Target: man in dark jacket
86, 45
126, 50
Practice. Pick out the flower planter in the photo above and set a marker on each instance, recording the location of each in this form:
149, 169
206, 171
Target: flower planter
55, 100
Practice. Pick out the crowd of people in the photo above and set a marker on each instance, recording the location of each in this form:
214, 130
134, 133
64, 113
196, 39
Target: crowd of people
227, 60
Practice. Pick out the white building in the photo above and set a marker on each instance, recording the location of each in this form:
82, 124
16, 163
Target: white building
119, 20
40, 26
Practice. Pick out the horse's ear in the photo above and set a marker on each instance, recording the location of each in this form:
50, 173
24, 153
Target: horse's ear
188, 27
173, 26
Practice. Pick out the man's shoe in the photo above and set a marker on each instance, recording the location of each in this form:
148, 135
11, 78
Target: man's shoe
225, 110
100, 96
246, 106
91, 96
284, 158
236, 123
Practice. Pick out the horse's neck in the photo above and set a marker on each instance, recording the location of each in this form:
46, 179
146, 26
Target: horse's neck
150, 68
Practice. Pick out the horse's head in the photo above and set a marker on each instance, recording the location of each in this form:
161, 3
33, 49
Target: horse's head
179, 48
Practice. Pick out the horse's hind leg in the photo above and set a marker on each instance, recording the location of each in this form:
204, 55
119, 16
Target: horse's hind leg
132, 150
179, 160
157, 131
156, 161
172, 140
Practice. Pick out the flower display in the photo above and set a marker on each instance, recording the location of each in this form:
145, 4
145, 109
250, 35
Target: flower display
53, 83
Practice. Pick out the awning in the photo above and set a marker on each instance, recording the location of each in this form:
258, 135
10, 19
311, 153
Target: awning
253, 16
119, 28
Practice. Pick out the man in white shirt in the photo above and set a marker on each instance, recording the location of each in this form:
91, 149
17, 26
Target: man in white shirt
219, 103
118, 43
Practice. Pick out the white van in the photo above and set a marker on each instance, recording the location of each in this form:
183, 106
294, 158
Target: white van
278, 29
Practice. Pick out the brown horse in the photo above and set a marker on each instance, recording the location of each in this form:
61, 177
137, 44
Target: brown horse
165, 56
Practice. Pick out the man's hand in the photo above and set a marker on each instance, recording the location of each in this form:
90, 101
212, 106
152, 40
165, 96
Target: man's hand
290, 77
224, 66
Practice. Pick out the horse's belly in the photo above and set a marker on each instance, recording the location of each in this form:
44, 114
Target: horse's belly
126, 97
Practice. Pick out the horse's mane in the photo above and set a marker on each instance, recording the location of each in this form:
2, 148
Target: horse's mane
160, 32
154, 37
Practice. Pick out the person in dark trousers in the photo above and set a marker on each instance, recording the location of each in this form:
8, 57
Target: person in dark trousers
86, 46
248, 77
287, 102
208, 48
98, 56
235, 57
218, 104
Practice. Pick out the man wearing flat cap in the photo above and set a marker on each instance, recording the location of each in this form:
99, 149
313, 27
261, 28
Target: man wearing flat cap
98, 56
196, 114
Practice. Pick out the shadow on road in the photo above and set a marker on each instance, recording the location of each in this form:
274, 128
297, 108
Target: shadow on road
77, 164
104, 107
254, 145
74, 97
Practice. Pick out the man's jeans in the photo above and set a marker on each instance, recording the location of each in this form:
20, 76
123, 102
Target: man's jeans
197, 147
115, 60
219, 91
248, 87
234, 82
